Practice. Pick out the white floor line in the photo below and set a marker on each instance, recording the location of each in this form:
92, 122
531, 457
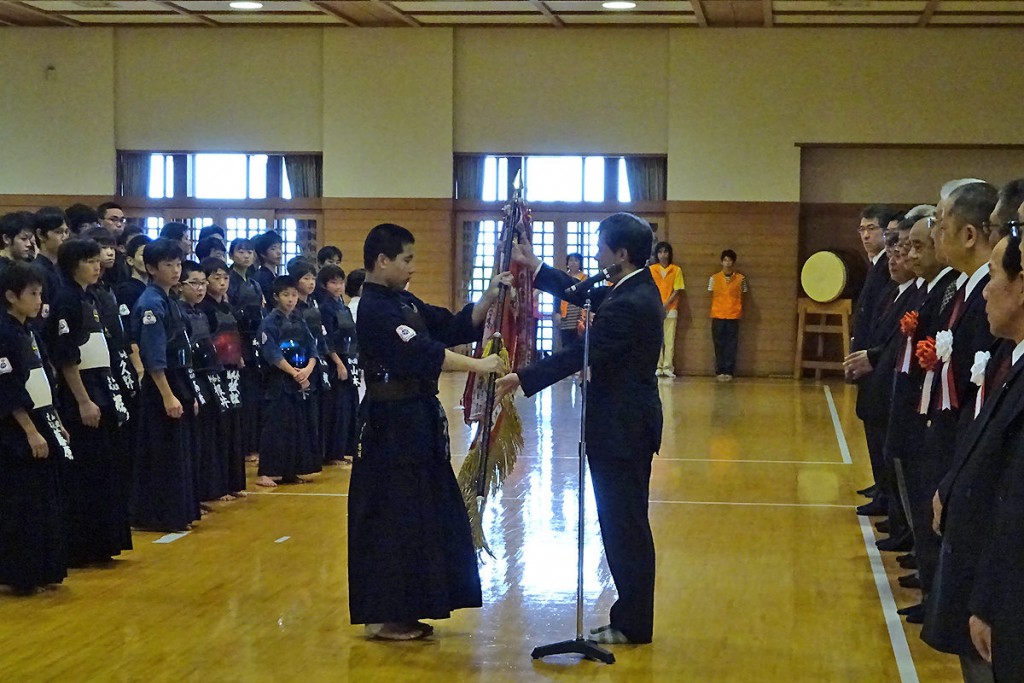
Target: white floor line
754, 504
898, 638
658, 459
171, 538
844, 448
282, 539
295, 493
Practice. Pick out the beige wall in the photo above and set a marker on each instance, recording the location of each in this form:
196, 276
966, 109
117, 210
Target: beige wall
388, 113
568, 92
236, 90
56, 126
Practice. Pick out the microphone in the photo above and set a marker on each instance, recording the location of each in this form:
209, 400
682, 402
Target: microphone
606, 274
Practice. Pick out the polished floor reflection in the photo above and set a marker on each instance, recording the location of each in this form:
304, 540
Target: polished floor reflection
763, 572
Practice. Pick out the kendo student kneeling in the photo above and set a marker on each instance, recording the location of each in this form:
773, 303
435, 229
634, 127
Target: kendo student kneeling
163, 494
33, 551
288, 444
410, 550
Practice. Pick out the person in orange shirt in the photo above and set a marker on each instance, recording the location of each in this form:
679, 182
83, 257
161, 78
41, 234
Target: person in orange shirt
669, 279
727, 288
569, 315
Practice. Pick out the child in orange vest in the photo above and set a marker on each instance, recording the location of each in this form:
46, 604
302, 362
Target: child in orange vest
727, 288
669, 279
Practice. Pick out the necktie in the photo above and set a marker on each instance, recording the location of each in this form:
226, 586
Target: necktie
947, 296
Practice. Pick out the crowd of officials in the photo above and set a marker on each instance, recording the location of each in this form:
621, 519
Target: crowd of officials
135, 382
937, 348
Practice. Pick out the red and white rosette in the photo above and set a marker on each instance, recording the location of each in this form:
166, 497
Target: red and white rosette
981, 359
908, 327
944, 352
929, 361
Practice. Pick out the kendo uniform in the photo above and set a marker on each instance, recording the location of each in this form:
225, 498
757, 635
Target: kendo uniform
33, 547
410, 549
264, 277
288, 441
210, 455
874, 300
119, 272
323, 378
246, 297
341, 403
163, 495
127, 293
227, 344
51, 283
874, 394
965, 317
96, 520
624, 424
969, 492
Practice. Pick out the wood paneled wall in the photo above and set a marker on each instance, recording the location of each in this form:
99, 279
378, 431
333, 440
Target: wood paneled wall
765, 237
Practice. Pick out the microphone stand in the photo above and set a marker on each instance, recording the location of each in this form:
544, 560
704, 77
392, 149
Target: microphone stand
580, 645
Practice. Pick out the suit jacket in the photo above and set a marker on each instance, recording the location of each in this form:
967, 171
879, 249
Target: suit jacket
967, 518
874, 393
870, 303
624, 418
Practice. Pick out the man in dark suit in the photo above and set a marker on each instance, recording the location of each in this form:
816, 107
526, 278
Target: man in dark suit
871, 302
624, 417
969, 490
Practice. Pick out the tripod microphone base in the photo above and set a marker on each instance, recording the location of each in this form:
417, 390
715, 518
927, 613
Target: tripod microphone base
587, 648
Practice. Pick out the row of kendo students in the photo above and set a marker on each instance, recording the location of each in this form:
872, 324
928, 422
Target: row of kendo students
106, 427
938, 351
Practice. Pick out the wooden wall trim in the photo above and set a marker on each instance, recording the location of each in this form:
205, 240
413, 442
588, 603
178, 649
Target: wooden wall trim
687, 206
897, 145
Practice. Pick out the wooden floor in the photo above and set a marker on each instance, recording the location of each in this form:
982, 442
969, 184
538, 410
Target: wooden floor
763, 569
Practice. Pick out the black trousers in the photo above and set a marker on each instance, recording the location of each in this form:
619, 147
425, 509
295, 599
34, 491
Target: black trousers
725, 334
622, 491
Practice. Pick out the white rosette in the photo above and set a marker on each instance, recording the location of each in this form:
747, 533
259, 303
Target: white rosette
944, 345
944, 352
981, 359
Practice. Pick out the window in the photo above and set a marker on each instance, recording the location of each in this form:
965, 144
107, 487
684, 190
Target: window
218, 176
581, 238
556, 178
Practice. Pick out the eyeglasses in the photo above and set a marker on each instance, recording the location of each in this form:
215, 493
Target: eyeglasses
864, 229
195, 285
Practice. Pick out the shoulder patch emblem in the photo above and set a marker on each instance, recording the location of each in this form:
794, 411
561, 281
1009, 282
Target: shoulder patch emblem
323, 330
5, 366
148, 318
405, 333
46, 311
62, 327
264, 337
124, 310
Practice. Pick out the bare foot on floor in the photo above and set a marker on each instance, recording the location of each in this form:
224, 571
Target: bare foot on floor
227, 497
239, 494
266, 481
395, 631
252, 457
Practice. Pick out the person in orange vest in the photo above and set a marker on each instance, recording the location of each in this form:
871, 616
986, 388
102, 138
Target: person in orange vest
569, 316
727, 288
669, 279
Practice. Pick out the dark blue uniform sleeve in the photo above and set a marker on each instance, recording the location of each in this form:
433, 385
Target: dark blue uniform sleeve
402, 350
12, 376
270, 340
450, 328
63, 329
149, 330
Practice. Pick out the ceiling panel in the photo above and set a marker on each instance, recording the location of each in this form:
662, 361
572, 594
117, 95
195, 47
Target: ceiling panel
100, 6
276, 18
631, 19
978, 19
859, 6
149, 19
226, 7
982, 6
467, 6
846, 19
502, 19
641, 6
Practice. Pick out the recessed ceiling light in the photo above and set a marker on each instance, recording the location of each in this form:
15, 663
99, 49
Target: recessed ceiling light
619, 4
245, 5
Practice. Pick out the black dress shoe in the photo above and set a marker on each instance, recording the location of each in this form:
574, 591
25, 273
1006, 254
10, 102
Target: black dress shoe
909, 609
875, 508
910, 581
869, 492
907, 561
916, 615
883, 526
896, 545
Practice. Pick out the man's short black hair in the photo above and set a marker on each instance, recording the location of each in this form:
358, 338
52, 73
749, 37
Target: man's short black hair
262, 243
299, 267
1011, 196
728, 253
14, 223
328, 252
354, 282
72, 252
79, 215
160, 250
883, 213
102, 209
188, 267
17, 278
206, 245
129, 232
48, 219
100, 236
136, 241
174, 231
241, 243
328, 273
629, 232
667, 247
283, 282
213, 230
972, 204
388, 239
213, 264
